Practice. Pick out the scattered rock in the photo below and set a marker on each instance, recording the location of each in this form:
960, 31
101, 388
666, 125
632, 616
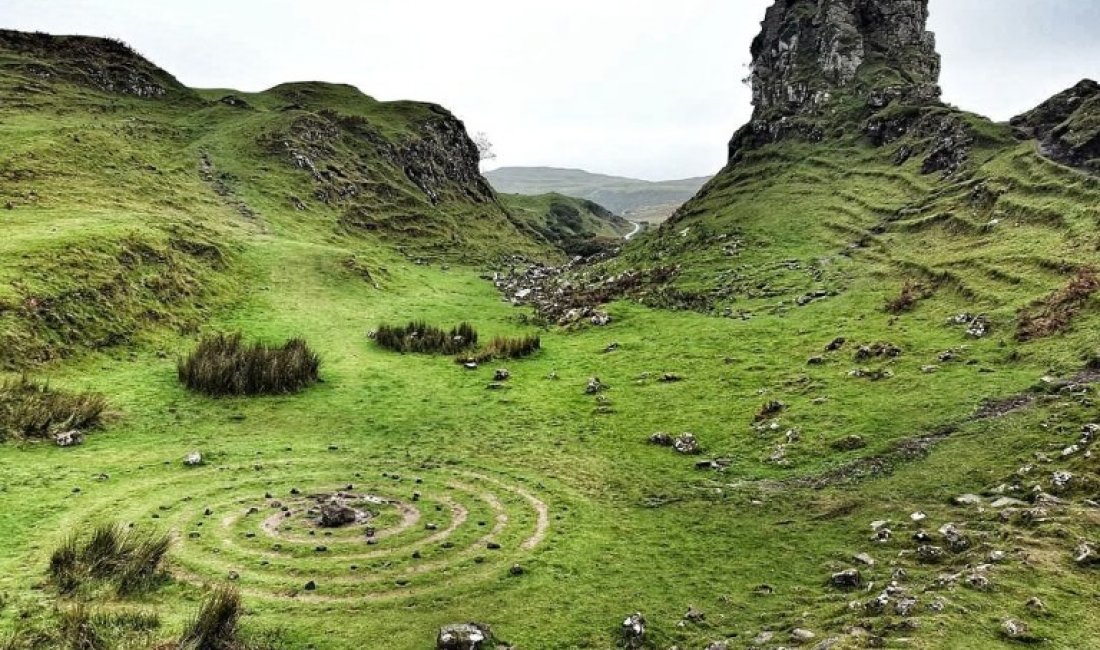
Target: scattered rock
595, 386
836, 344
1035, 605
694, 616
968, 500
661, 439
310, 586
193, 459
930, 554
847, 580
686, 443
864, 559
716, 464
463, 636
633, 631
1015, 630
1084, 554
501, 374
800, 636
69, 439
670, 378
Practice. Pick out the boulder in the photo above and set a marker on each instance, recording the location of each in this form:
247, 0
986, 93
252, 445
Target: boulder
846, 580
633, 631
336, 514
594, 386
686, 443
463, 636
69, 439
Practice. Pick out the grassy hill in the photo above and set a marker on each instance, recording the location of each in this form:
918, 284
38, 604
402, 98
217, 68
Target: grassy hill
635, 199
947, 459
576, 226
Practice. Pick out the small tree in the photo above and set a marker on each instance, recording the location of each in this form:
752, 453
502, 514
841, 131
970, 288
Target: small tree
484, 147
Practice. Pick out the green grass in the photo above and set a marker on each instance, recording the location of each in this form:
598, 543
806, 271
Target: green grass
602, 523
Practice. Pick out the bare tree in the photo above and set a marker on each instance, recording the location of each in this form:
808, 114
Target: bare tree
484, 146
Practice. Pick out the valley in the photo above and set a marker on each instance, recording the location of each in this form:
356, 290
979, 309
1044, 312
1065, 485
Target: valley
844, 396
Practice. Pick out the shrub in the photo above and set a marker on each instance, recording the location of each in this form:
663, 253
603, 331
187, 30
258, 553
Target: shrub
113, 554
419, 337
215, 626
32, 409
505, 348
911, 293
223, 365
1055, 313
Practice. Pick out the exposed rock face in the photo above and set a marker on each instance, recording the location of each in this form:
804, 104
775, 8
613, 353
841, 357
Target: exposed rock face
1067, 125
810, 48
814, 58
103, 64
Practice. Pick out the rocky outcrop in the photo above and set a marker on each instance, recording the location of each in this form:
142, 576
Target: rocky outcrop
817, 62
809, 50
102, 64
1067, 125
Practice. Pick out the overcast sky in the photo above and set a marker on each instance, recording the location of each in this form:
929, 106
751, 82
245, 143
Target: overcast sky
645, 88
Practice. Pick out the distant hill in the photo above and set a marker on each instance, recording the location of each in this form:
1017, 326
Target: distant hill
633, 198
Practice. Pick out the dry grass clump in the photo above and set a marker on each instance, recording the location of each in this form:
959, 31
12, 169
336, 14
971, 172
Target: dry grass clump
422, 338
31, 409
130, 561
505, 348
1054, 314
224, 365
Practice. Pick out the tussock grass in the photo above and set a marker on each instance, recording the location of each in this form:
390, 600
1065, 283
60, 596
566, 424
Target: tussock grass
422, 338
31, 409
130, 561
216, 625
224, 365
503, 347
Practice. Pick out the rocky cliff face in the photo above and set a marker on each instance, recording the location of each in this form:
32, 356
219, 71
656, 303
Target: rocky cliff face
809, 51
1067, 125
816, 60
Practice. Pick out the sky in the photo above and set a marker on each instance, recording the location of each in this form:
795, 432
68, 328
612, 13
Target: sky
644, 88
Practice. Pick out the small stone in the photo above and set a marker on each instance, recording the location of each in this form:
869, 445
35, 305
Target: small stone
687, 444
516, 570
1015, 630
846, 580
633, 631
311, 586
193, 459
463, 636
865, 559
501, 374
800, 636
1035, 605
233, 575
69, 439
930, 554
967, 500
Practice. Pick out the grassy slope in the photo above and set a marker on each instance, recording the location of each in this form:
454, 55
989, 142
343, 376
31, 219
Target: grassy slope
570, 224
630, 526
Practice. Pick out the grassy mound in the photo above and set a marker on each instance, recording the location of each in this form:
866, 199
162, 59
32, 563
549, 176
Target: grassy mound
30, 409
224, 365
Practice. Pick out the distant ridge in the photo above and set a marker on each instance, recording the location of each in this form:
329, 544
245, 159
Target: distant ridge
633, 198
